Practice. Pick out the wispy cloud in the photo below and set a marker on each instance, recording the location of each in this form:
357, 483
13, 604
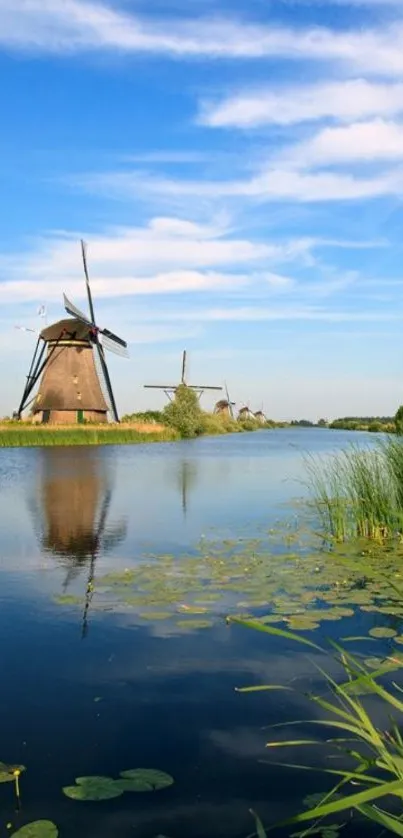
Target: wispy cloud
343, 100
360, 142
272, 183
71, 26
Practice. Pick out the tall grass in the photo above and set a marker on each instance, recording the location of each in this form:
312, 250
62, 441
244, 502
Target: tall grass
375, 754
359, 493
33, 435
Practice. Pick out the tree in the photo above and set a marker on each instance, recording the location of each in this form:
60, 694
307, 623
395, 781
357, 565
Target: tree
399, 420
184, 413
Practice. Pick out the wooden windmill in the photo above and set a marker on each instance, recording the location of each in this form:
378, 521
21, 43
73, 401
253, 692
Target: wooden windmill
72, 505
170, 389
225, 407
69, 362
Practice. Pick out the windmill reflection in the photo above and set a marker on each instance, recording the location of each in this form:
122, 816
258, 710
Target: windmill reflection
185, 478
75, 496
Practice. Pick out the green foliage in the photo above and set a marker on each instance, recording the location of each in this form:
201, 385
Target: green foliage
359, 493
219, 423
106, 788
37, 829
374, 424
144, 779
399, 420
22, 435
152, 416
375, 755
93, 789
249, 424
8, 773
184, 413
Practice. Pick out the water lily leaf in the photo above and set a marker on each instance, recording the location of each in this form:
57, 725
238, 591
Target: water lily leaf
373, 663
144, 779
7, 774
302, 624
37, 829
93, 788
194, 625
156, 615
68, 599
398, 639
193, 609
382, 632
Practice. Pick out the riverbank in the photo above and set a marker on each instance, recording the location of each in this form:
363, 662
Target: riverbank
17, 435
26, 434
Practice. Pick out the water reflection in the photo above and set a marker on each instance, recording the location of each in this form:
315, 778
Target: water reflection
72, 509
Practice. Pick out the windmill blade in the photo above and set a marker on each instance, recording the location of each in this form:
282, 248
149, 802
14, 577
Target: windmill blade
111, 346
107, 379
74, 311
230, 404
113, 337
87, 281
183, 366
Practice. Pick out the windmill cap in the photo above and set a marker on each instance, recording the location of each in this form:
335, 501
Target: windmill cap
74, 329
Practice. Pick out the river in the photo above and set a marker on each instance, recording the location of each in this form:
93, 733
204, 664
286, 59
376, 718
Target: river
95, 682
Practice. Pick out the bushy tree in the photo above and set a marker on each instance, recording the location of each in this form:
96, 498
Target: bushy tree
184, 413
399, 421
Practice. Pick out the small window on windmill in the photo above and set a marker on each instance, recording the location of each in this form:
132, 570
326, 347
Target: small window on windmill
78, 395
75, 379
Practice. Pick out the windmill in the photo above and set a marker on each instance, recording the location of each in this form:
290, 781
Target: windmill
170, 390
245, 413
69, 360
225, 407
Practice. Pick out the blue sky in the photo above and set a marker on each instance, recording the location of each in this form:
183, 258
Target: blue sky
237, 172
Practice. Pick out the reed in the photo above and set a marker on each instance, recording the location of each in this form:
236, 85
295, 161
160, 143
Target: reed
359, 493
14, 436
374, 754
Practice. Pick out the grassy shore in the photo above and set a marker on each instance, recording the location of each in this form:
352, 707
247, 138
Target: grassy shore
16, 435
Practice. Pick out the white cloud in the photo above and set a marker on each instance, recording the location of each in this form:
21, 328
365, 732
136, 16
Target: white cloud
341, 100
166, 256
273, 183
360, 142
71, 26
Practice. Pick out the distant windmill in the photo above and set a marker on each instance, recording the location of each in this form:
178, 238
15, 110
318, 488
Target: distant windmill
225, 407
246, 413
170, 390
64, 361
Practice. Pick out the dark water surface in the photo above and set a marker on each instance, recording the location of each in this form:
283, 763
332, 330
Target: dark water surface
86, 691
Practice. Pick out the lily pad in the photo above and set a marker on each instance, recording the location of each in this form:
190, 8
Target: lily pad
68, 599
37, 829
144, 779
398, 639
194, 625
7, 772
373, 663
93, 788
382, 632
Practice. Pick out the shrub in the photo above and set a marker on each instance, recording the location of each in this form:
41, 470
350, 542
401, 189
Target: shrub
184, 413
218, 423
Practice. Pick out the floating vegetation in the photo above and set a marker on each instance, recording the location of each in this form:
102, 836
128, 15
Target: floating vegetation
144, 779
244, 577
382, 632
9, 773
68, 599
37, 829
93, 788
106, 788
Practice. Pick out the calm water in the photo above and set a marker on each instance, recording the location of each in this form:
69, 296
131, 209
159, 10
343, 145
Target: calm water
86, 691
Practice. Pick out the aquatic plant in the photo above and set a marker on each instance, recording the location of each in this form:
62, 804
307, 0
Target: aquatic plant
95, 788
359, 492
301, 590
37, 829
375, 755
